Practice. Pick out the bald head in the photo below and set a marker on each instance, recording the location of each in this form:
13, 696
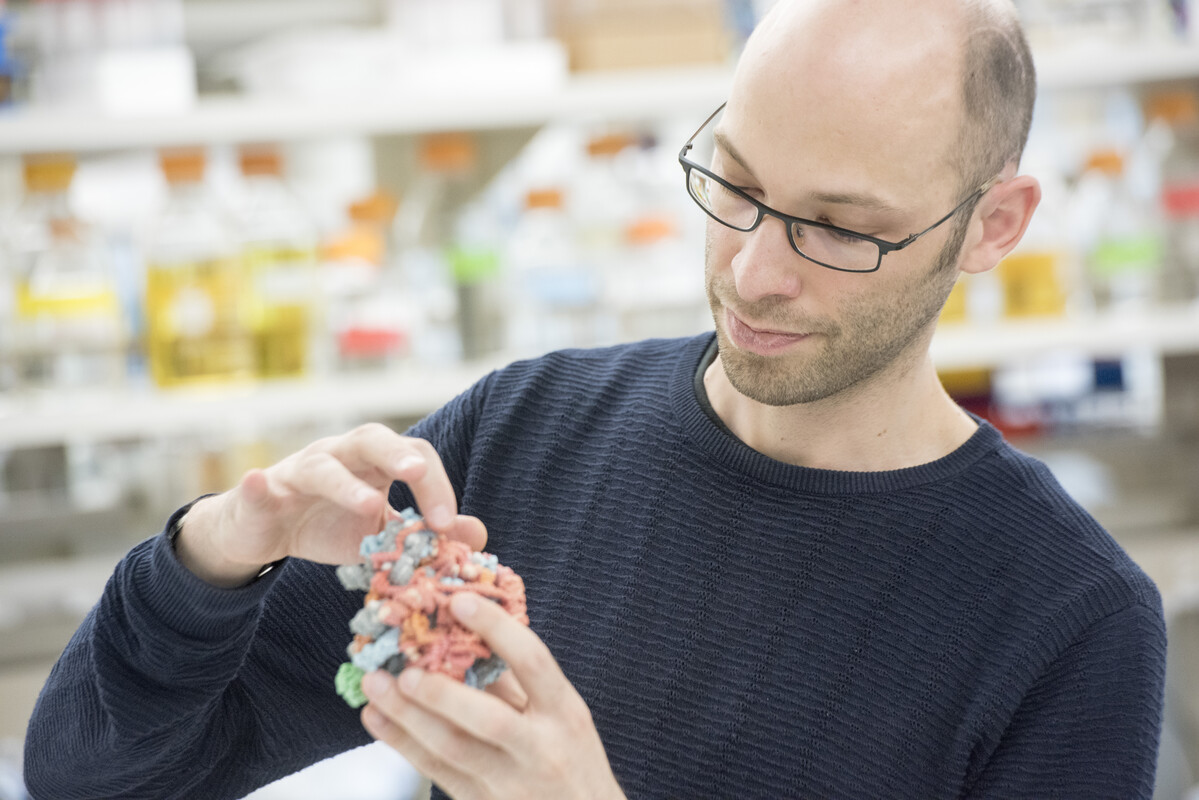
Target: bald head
947, 84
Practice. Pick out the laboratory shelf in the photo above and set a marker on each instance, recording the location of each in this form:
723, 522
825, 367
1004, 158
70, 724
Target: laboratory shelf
64, 417
628, 95
1165, 331
1095, 66
413, 391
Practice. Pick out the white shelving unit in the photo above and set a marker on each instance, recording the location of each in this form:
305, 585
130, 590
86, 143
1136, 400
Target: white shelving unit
625, 95
629, 95
414, 391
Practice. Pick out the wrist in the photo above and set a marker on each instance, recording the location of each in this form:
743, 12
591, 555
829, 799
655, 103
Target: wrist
192, 541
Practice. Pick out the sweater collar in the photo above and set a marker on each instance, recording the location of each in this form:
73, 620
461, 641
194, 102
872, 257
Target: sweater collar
694, 413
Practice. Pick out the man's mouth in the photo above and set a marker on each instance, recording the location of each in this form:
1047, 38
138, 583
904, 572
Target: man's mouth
762, 341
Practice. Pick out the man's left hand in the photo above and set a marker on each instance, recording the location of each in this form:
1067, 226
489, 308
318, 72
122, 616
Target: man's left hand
475, 745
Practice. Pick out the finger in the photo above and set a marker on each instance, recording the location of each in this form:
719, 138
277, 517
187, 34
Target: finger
420, 757
459, 725
376, 451
531, 662
484, 717
255, 490
470, 530
508, 689
421, 469
321, 474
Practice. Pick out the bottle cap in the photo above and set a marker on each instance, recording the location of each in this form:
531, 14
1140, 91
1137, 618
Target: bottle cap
543, 198
448, 152
608, 144
648, 230
1174, 107
260, 160
48, 173
1109, 162
183, 165
378, 208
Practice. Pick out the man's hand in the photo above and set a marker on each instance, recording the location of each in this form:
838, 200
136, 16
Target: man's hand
317, 504
532, 740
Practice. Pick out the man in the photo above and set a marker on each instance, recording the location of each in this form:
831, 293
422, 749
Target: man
779, 562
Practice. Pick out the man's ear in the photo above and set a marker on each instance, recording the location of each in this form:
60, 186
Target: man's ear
999, 223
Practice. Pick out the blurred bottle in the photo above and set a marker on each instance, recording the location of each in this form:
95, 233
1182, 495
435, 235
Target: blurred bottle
474, 259
449, 288
196, 295
67, 327
1125, 259
368, 329
280, 262
603, 200
553, 295
1178, 113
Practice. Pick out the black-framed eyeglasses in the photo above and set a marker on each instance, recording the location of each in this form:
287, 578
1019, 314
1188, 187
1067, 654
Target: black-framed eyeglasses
827, 245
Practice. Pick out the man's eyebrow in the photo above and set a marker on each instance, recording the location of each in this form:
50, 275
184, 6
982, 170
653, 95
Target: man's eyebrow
861, 200
722, 141
866, 201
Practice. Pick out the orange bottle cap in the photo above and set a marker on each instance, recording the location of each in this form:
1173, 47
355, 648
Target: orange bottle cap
182, 166
260, 160
448, 152
543, 198
1109, 162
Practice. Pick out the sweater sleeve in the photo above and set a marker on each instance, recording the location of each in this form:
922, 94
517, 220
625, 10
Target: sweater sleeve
1089, 726
173, 688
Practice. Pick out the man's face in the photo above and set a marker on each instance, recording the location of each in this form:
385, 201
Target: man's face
791, 331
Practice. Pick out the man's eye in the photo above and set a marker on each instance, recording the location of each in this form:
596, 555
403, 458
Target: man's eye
845, 237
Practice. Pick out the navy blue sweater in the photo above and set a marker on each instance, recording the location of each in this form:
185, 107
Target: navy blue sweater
738, 626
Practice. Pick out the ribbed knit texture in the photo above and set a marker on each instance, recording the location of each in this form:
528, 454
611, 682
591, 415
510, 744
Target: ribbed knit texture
738, 626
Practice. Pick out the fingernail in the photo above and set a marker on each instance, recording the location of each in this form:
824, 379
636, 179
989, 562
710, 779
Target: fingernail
409, 679
439, 517
464, 605
375, 683
364, 495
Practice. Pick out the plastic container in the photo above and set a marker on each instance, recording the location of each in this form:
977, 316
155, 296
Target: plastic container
1179, 280
280, 261
67, 325
554, 296
1124, 262
196, 289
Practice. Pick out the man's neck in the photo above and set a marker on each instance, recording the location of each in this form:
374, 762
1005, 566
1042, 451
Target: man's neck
892, 422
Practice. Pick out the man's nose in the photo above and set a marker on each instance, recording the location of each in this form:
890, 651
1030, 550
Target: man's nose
766, 264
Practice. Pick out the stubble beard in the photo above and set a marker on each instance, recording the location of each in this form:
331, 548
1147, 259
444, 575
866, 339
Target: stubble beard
872, 334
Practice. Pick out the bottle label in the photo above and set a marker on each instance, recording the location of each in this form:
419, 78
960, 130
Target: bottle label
1181, 199
1126, 254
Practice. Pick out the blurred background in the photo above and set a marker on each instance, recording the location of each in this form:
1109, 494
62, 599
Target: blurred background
228, 227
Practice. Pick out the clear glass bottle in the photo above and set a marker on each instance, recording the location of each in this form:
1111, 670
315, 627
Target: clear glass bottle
67, 325
554, 294
280, 261
1178, 114
1125, 260
196, 298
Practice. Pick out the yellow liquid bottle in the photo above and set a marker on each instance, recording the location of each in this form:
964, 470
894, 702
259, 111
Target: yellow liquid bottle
67, 328
196, 289
280, 254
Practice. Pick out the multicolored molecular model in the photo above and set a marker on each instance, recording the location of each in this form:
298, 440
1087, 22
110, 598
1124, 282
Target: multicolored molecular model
409, 574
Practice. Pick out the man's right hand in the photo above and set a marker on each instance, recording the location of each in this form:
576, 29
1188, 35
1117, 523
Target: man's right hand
317, 504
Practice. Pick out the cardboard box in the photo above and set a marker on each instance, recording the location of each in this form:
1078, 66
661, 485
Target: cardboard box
621, 34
